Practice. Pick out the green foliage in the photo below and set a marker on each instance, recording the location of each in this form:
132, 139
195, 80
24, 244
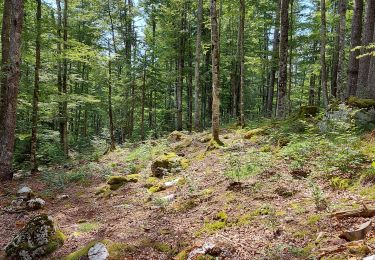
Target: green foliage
88, 227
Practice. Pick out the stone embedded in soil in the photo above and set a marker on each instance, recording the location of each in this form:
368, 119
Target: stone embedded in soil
25, 193
35, 204
98, 252
207, 248
38, 238
371, 257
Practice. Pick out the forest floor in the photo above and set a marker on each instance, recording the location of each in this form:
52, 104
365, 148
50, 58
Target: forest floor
266, 194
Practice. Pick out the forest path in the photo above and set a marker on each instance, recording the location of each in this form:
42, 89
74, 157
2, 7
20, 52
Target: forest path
269, 214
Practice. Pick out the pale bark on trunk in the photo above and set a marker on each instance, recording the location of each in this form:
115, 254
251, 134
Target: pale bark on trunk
340, 64
323, 42
283, 61
367, 39
198, 50
215, 73
34, 128
180, 83
7, 137
355, 42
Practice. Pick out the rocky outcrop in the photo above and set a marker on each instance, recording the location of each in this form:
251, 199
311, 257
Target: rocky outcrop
25, 201
168, 163
38, 238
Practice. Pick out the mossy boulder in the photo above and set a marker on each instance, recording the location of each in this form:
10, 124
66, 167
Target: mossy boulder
168, 163
40, 237
115, 182
361, 102
308, 111
254, 132
179, 140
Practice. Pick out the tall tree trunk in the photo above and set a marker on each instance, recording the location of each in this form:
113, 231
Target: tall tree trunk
215, 73
274, 62
34, 128
323, 42
290, 67
371, 78
367, 39
283, 62
312, 90
5, 46
336, 52
11, 87
242, 62
64, 110
143, 97
112, 146
197, 89
340, 64
355, 42
181, 63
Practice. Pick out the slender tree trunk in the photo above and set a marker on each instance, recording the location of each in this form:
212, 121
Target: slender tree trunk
215, 73
34, 140
367, 39
242, 62
323, 42
340, 64
11, 87
336, 53
143, 97
283, 62
290, 67
355, 42
197, 90
110, 112
274, 62
180, 83
64, 122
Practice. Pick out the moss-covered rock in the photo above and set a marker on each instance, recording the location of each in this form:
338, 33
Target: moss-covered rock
168, 163
308, 111
361, 102
115, 182
38, 238
254, 132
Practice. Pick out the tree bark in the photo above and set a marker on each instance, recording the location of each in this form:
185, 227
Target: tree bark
242, 62
215, 73
340, 64
112, 146
34, 128
275, 57
283, 62
367, 39
5, 46
181, 63
198, 50
11, 87
323, 42
355, 42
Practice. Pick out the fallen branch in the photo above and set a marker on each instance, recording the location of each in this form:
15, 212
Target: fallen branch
363, 212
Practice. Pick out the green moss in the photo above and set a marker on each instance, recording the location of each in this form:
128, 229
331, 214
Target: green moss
168, 162
368, 192
222, 216
155, 189
112, 180
313, 220
151, 181
82, 252
361, 102
340, 183
186, 205
119, 250
245, 219
254, 132
183, 255
88, 227
162, 247
308, 111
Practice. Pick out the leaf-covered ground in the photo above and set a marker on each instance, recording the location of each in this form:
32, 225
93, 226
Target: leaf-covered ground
266, 194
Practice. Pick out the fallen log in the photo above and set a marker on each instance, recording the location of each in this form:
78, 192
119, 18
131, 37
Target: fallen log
364, 212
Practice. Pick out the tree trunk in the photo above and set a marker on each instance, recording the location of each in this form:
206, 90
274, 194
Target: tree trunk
197, 90
5, 46
143, 97
180, 83
64, 90
367, 39
215, 73
290, 67
323, 42
336, 53
340, 64
355, 42
110, 112
242, 62
283, 62
34, 128
11, 87
275, 57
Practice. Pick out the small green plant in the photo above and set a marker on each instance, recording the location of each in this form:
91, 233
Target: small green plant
319, 197
339, 183
88, 227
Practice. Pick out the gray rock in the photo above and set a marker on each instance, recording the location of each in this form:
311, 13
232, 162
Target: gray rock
38, 238
98, 252
371, 257
35, 204
25, 193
